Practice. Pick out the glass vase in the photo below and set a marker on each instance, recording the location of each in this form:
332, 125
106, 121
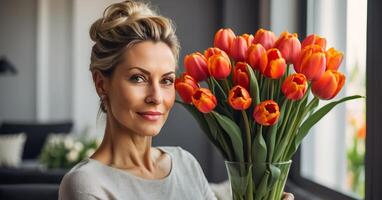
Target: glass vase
257, 181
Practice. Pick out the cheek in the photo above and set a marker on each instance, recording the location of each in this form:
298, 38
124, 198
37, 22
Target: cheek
125, 96
169, 98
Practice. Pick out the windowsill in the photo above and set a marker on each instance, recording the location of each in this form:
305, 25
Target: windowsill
299, 193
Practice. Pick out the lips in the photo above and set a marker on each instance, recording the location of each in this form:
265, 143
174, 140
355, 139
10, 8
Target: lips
151, 115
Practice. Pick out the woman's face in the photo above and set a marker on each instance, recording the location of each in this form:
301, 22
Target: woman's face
141, 91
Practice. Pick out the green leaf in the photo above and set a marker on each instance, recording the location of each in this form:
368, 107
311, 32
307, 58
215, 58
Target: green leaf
262, 187
234, 133
218, 137
259, 148
200, 119
238, 179
271, 140
259, 154
219, 87
253, 85
212, 124
198, 116
275, 174
314, 118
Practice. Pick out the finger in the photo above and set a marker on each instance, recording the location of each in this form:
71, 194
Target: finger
288, 196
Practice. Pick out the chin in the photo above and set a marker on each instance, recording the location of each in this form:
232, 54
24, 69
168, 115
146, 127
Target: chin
149, 131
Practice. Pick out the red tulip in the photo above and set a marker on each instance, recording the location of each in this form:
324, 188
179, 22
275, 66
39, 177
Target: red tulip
186, 86
312, 62
295, 86
223, 39
333, 59
265, 38
314, 39
266, 113
289, 46
240, 75
328, 85
196, 66
238, 49
239, 98
257, 56
276, 66
204, 100
219, 66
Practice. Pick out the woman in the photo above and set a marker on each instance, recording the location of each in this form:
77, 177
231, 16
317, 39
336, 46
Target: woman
133, 64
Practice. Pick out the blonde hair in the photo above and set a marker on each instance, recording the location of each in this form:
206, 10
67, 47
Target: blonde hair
123, 25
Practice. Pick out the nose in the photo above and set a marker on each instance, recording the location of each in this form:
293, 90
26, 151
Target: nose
154, 94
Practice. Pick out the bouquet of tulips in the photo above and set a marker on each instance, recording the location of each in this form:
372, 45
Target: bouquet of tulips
256, 109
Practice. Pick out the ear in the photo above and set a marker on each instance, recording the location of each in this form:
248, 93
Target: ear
101, 82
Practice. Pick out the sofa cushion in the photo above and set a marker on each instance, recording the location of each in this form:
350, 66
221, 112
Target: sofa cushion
11, 149
36, 134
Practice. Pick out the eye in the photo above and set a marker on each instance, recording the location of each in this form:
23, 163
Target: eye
168, 81
137, 78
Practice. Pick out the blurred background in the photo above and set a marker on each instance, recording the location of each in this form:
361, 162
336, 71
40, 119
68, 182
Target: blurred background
46, 90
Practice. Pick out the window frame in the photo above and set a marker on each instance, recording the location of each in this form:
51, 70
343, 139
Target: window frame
373, 177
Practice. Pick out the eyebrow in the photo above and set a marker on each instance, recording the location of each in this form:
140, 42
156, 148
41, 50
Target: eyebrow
147, 72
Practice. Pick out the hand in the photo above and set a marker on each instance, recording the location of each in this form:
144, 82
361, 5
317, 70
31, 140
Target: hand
288, 196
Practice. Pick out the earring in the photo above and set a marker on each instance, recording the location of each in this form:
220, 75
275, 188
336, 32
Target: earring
103, 98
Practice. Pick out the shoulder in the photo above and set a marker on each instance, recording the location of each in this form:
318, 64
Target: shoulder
79, 181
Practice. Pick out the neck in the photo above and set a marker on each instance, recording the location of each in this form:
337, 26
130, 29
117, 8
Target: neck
121, 148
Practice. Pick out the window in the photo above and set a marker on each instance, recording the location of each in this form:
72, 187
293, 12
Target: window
331, 157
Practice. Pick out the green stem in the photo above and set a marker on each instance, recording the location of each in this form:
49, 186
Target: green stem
291, 131
249, 153
248, 135
272, 89
309, 106
285, 120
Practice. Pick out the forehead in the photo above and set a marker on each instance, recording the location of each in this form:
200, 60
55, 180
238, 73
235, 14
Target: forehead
152, 56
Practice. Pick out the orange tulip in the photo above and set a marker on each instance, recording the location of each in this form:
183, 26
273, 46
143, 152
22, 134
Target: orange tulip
257, 56
213, 51
276, 65
265, 38
186, 86
240, 75
314, 39
204, 100
219, 66
312, 62
328, 85
238, 49
239, 98
223, 39
266, 113
295, 86
196, 66
361, 133
249, 38
333, 59
289, 46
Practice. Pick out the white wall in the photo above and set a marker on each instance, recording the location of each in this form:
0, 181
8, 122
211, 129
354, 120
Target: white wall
284, 16
54, 66
85, 99
48, 41
17, 43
